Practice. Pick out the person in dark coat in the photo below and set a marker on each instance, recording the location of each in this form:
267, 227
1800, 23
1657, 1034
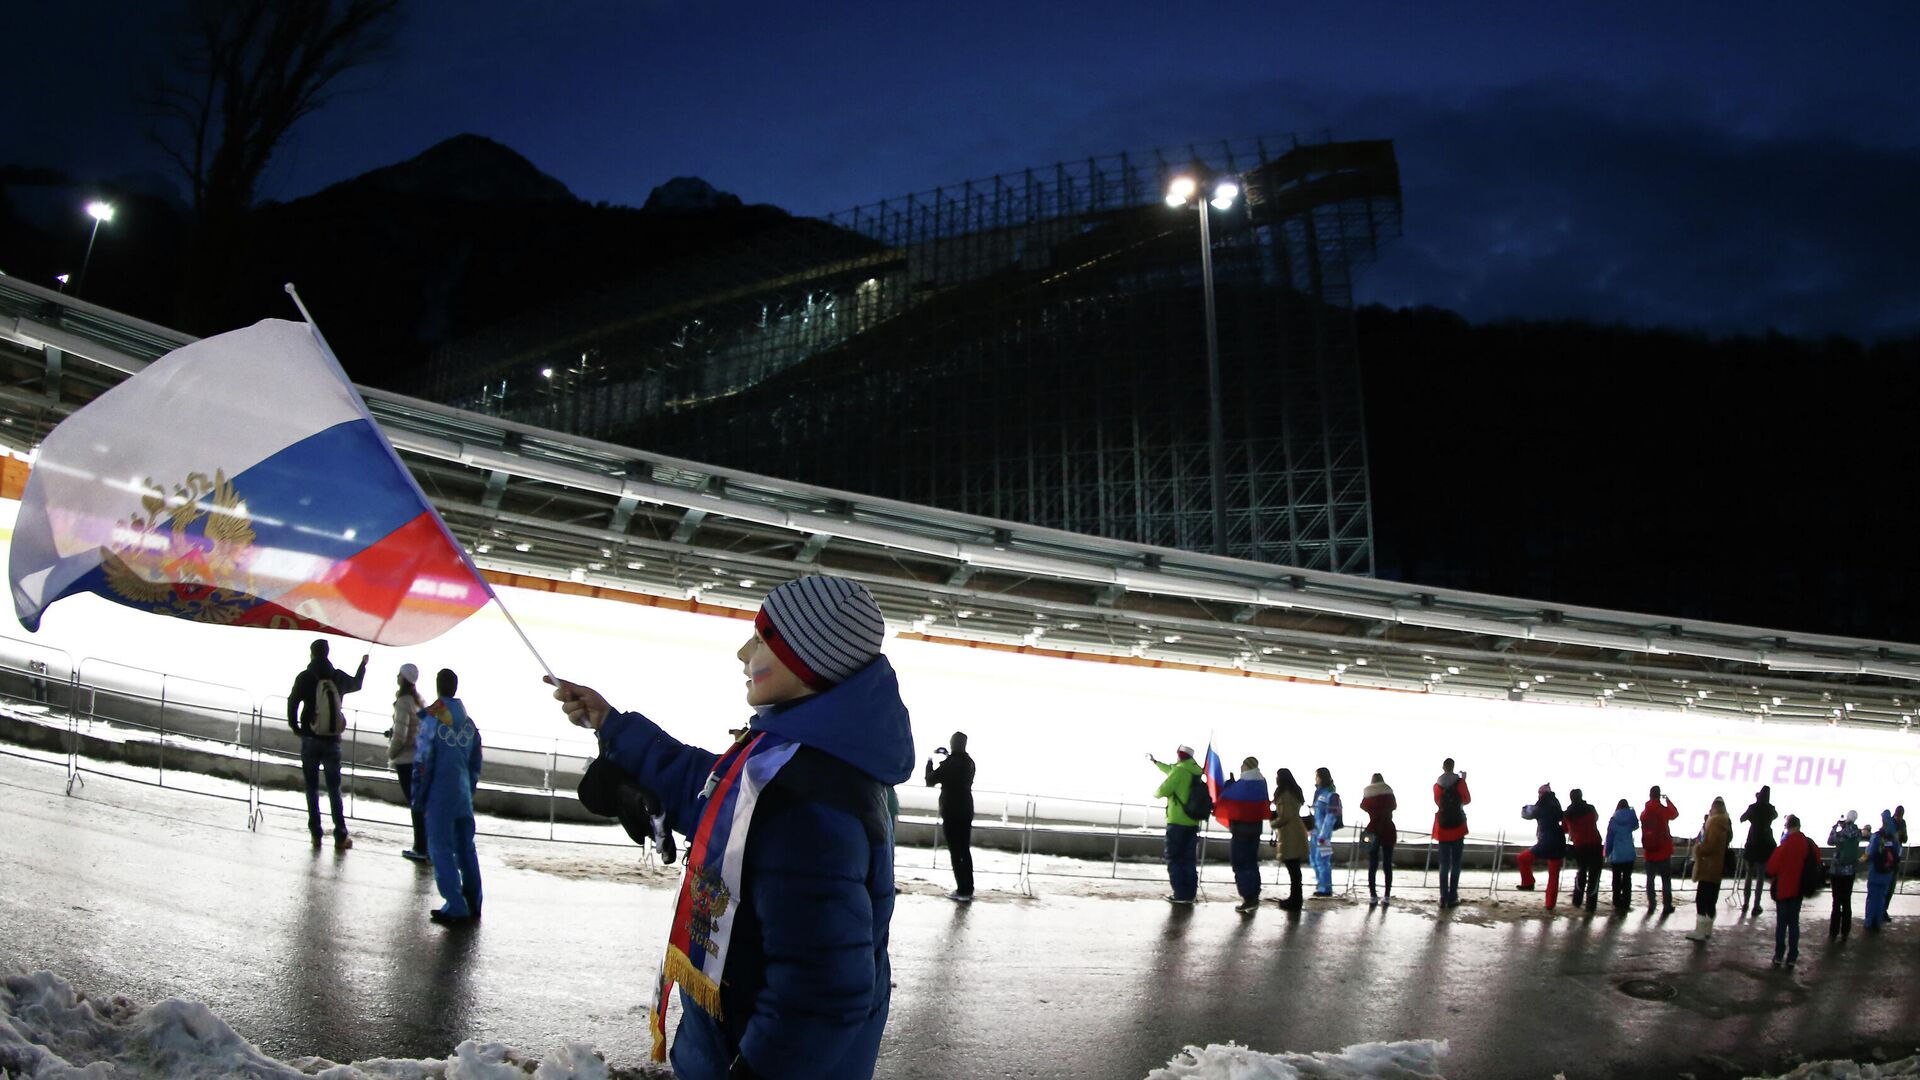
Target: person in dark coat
319, 721
955, 778
1583, 833
1849, 852
1759, 816
1378, 803
1550, 842
795, 981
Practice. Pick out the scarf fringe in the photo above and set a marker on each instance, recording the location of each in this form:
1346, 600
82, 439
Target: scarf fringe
678, 970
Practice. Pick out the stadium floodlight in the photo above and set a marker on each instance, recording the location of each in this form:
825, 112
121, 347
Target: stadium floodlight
1224, 193
1181, 190
100, 212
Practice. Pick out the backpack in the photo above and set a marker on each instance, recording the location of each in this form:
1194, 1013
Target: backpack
326, 718
1198, 801
1813, 873
1452, 814
1333, 810
1886, 860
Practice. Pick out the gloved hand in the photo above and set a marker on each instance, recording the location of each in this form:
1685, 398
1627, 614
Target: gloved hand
606, 790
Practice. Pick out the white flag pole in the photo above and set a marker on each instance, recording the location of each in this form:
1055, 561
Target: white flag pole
361, 404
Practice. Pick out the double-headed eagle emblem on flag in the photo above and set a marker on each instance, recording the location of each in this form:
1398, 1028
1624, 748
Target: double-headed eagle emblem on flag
187, 555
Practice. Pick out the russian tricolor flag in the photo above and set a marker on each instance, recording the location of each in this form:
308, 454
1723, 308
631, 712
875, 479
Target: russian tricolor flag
1239, 800
241, 481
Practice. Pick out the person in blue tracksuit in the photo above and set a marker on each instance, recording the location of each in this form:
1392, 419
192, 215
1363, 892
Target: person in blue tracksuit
1326, 818
805, 987
1619, 853
1883, 860
446, 770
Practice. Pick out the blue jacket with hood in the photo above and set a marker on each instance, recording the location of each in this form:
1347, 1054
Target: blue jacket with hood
447, 759
1620, 832
806, 988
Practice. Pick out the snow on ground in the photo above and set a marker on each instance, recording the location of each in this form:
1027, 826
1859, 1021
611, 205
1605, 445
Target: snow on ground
1417, 1059
51, 1031
1904, 1069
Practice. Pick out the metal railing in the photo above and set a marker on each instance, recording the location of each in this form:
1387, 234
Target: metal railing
109, 699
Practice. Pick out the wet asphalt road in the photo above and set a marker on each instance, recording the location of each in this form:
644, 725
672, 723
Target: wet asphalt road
152, 893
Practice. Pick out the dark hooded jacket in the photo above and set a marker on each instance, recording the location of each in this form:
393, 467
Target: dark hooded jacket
1583, 824
806, 987
1759, 818
1550, 836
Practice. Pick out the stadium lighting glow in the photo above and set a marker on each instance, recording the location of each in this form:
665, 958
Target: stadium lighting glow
1224, 193
1180, 190
100, 211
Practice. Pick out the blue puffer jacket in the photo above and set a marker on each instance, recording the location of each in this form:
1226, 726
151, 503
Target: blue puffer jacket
1324, 816
1620, 832
806, 988
446, 761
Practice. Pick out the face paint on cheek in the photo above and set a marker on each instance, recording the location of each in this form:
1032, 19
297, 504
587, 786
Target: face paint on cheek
759, 674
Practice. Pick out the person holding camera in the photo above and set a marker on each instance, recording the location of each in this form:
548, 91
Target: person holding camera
954, 776
1656, 843
1848, 853
1759, 816
1450, 798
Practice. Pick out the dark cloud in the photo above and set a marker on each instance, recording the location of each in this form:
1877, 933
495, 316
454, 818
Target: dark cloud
1557, 200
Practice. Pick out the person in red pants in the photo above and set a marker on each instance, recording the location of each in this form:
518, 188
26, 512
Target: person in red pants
1550, 843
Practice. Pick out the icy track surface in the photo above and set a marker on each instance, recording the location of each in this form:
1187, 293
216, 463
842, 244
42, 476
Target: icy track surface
50, 1031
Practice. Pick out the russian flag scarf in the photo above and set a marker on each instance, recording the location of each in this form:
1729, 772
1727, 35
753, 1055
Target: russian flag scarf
703, 916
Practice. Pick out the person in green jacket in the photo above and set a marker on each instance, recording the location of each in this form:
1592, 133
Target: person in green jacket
1183, 832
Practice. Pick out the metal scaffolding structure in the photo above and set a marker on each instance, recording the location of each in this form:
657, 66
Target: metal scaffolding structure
1028, 347
545, 509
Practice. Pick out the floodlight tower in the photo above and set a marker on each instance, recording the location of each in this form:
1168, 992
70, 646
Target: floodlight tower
1198, 187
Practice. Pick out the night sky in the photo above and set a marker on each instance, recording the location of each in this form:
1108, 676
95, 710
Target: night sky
1720, 167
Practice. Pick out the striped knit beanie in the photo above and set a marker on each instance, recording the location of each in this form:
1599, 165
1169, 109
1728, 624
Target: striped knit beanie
822, 628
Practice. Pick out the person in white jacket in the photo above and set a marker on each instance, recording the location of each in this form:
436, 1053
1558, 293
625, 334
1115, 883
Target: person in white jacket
407, 704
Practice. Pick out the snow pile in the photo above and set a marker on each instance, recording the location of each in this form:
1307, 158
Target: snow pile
1417, 1059
50, 1031
1904, 1069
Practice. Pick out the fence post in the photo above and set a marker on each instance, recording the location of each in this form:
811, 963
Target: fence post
73, 729
1119, 814
1499, 858
255, 811
553, 765
163, 731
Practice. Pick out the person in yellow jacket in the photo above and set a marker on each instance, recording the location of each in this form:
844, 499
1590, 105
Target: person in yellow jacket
1709, 868
1183, 831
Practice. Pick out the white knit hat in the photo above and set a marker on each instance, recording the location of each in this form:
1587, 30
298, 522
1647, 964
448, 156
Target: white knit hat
822, 628
410, 673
